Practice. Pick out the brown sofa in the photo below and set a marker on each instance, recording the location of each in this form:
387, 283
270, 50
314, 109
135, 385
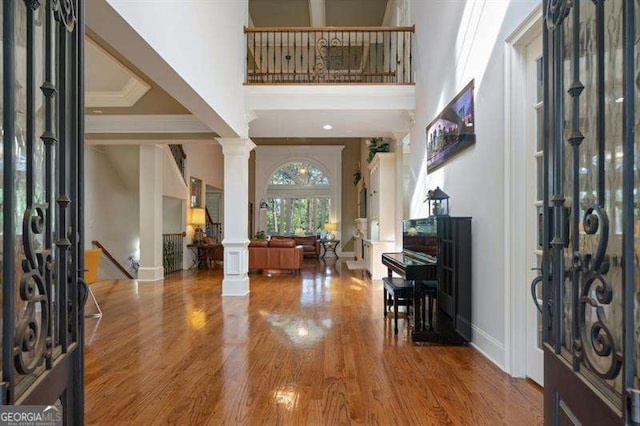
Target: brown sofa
279, 254
310, 245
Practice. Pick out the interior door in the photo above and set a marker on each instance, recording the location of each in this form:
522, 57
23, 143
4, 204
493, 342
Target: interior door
42, 256
590, 242
535, 179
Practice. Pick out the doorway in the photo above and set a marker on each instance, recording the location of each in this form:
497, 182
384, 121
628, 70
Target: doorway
534, 142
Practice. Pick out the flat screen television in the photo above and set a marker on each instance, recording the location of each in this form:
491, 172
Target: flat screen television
419, 237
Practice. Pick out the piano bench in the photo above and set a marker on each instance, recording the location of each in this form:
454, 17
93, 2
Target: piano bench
402, 292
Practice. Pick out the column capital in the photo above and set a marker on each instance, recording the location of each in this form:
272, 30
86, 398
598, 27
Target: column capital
236, 146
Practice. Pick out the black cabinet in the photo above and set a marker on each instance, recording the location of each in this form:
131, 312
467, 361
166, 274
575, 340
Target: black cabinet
453, 312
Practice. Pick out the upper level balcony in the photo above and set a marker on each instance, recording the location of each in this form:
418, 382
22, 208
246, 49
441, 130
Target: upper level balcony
329, 55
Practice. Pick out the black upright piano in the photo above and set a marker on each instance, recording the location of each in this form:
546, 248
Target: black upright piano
437, 250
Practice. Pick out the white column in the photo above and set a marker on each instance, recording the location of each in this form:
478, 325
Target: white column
236, 215
151, 163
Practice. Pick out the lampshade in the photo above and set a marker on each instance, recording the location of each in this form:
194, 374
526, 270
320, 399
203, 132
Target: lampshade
197, 216
330, 226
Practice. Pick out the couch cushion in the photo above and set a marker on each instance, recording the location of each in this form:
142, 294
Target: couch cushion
306, 241
258, 243
282, 242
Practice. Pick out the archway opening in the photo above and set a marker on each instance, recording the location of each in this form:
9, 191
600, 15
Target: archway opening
298, 200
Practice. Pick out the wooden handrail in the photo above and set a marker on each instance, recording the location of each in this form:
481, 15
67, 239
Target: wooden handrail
206, 210
112, 259
176, 234
320, 29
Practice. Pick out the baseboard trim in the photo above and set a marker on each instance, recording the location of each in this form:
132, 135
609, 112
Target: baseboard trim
488, 346
148, 275
347, 254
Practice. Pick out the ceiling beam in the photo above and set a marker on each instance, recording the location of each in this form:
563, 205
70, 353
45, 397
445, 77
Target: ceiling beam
317, 13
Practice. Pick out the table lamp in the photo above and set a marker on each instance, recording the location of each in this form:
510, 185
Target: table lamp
198, 220
330, 227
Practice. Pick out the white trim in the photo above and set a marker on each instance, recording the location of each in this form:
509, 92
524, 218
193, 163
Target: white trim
147, 275
167, 123
490, 347
515, 274
127, 97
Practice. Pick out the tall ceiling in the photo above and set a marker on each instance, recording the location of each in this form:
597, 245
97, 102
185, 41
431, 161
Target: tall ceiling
297, 13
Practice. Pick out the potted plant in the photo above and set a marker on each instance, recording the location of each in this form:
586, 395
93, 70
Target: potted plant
260, 235
377, 145
357, 175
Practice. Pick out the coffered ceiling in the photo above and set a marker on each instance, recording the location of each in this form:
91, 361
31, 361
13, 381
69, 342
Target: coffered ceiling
303, 13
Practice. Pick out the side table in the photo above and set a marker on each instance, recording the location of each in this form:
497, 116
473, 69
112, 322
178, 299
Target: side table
329, 245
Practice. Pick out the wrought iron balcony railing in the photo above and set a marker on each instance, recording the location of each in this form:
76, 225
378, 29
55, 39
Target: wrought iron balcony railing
332, 55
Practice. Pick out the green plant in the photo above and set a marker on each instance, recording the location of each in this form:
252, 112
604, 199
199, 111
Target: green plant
260, 235
377, 145
357, 175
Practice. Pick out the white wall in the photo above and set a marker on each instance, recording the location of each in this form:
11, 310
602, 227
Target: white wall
206, 162
172, 215
455, 42
202, 41
111, 205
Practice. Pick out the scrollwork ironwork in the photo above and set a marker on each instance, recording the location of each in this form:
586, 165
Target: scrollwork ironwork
31, 335
596, 293
64, 13
557, 11
329, 54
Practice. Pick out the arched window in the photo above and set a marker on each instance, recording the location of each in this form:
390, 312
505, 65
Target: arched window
298, 199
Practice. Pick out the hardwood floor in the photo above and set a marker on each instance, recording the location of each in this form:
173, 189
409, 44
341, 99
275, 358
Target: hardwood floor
305, 349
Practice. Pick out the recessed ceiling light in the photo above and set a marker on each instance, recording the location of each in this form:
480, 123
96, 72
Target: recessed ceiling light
327, 127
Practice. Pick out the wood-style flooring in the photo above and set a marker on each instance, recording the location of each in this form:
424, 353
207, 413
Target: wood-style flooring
301, 349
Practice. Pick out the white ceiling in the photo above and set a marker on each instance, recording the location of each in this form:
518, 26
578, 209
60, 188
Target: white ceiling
348, 124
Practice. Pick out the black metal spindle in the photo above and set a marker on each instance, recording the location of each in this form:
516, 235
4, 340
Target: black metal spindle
600, 87
628, 151
377, 55
575, 140
62, 199
558, 200
404, 56
30, 112
390, 55
411, 57
49, 139
9, 197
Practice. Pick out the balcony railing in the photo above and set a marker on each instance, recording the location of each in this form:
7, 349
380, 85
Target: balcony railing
333, 55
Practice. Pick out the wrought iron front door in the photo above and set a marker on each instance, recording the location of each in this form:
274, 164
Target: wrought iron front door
591, 244
42, 255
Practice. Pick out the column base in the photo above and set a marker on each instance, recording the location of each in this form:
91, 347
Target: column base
150, 274
235, 286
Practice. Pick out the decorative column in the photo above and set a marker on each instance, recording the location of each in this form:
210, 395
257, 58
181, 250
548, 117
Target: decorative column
236, 215
151, 164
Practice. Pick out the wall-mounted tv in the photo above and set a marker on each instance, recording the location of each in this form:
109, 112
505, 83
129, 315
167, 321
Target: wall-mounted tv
452, 130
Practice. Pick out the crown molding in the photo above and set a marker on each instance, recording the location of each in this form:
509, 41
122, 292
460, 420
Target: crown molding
166, 123
130, 94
